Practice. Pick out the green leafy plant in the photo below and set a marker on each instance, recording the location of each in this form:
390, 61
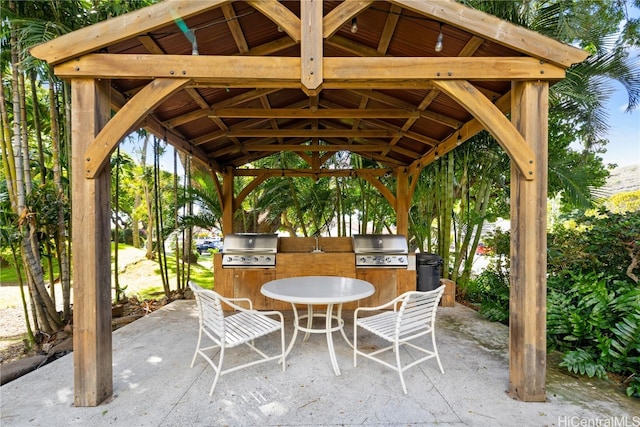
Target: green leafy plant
582, 362
596, 323
490, 290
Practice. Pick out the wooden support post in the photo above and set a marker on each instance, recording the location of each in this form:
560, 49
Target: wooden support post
402, 202
227, 200
527, 319
91, 243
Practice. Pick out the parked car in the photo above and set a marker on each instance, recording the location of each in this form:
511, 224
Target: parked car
205, 245
483, 250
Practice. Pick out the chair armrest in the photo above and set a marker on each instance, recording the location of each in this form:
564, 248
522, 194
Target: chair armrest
231, 303
270, 313
379, 307
250, 310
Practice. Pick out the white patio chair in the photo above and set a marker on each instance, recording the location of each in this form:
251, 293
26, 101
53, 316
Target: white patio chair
232, 330
415, 318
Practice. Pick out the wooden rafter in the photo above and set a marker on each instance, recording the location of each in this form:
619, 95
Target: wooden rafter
341, 15
234, 27
105, 33
239, 99
497, 30
280, 15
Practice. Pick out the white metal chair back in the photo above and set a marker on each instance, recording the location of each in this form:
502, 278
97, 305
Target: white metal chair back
226, 331
415, 318
212, 315
417, 314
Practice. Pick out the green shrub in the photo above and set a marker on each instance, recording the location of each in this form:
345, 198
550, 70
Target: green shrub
490, 290
595, 321
603, 242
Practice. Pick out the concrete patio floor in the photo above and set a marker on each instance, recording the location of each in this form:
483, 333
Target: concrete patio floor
154, 385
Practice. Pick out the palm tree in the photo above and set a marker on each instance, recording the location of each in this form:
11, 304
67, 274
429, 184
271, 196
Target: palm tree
577, 115
24, 25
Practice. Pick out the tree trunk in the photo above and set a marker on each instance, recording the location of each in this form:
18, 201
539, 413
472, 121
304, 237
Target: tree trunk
8, 159
45, 308
147, 198
62, 244
116, 238
36, 123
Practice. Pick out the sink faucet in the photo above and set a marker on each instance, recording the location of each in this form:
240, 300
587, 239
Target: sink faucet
317, 247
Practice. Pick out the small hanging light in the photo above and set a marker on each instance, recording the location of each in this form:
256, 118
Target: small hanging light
438, 47
354, 25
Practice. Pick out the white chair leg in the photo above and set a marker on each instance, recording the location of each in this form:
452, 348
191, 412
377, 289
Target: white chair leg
435, 349
355, 343
193, 361
284, 355
218, 370
396, 349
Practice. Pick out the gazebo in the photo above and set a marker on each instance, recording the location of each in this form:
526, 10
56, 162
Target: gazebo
401, 82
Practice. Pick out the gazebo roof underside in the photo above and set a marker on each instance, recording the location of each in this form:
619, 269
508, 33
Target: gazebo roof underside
398, 122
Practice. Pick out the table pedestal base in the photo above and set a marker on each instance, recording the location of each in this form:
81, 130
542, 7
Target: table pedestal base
328, 329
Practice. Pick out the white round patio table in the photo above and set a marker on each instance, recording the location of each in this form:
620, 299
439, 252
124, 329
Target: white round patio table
318, 290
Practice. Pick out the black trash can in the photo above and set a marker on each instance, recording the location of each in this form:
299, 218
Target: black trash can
428, 271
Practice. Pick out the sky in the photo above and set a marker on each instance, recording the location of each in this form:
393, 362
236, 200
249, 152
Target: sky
624, 132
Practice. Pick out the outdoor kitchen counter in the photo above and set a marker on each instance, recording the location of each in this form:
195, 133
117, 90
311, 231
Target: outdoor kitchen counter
296, 257
308, 244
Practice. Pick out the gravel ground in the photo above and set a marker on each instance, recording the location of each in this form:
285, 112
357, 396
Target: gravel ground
12, 322
12, 330
135, 273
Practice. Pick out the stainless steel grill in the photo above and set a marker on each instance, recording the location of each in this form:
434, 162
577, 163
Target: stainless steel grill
249, 250
381, 250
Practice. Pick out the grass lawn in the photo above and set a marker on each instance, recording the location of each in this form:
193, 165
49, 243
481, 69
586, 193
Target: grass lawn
137, 276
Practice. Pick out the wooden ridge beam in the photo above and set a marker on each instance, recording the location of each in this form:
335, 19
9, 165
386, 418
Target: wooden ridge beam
327, 113
314, 148
313, 172
311, 133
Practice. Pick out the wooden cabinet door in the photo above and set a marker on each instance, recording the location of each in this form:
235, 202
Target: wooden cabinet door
384, 280
247, 284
